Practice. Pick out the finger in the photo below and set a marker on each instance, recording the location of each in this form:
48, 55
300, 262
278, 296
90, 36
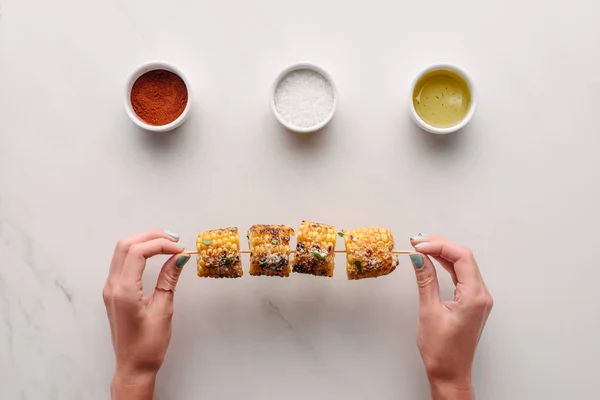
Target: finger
124, 244
167, 281
447, 265
135, 261
423, 237
427, 282
462, 260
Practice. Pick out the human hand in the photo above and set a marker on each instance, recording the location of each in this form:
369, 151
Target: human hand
449, 331
140, 326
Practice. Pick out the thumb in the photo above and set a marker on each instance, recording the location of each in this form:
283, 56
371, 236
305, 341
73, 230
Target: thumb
429, 288
167, 280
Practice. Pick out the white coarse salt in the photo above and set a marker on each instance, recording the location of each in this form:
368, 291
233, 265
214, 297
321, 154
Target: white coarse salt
304, 98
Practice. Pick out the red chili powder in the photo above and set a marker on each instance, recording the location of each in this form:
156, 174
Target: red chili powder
159, 97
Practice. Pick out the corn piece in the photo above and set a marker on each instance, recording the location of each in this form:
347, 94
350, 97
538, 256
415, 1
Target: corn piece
315, 250
219, 254
270, 249
369, 252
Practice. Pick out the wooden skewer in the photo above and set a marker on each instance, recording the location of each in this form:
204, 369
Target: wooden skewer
293, 251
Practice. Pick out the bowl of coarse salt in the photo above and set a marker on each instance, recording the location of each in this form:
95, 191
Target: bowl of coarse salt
304, 98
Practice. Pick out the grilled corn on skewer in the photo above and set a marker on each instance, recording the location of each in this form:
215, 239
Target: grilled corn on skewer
219, 254
315, 249
270, 249
369, 252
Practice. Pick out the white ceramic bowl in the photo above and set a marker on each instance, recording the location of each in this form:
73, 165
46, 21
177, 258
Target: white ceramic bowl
296, 67
472, 108
141, 70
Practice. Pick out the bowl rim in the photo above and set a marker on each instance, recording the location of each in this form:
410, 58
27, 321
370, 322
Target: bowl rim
444, 66
134, 76
295, 67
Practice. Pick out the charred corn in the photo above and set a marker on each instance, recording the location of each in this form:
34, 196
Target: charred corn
219, 254
270, 249
315, 249
369, 252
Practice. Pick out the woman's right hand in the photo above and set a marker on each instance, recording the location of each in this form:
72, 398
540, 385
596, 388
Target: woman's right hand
449, 331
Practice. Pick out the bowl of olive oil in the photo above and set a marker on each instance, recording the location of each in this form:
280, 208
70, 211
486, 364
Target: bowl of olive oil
443, 99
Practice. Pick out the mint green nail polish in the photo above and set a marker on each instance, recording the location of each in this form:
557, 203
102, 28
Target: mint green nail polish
423, 234
181, 261
419, 236
417, 260
172, 234
420, 244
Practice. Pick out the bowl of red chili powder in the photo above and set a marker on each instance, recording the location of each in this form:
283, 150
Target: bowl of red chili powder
157, 97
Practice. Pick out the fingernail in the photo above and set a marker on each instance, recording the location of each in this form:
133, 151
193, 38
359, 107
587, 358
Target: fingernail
181, 261
172, 234
423, 234
180, 246
417, 260
420, 244
419, 236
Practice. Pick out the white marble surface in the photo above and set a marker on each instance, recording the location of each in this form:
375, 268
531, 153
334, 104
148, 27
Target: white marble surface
519, 186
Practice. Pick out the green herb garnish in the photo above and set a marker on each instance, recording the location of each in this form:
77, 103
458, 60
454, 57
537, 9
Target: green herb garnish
318, 256
341, 234
206, 242
358, 266
227, 260
274, 242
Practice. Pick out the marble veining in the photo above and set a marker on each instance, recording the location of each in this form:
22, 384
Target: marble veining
518, 186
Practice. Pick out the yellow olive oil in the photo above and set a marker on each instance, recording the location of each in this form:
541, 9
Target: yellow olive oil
442, 98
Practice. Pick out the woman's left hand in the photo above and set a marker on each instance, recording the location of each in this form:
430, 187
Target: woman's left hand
140, 326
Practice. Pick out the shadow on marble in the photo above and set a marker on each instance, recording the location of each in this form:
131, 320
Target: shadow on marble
306, 144
157, 142
440, 143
